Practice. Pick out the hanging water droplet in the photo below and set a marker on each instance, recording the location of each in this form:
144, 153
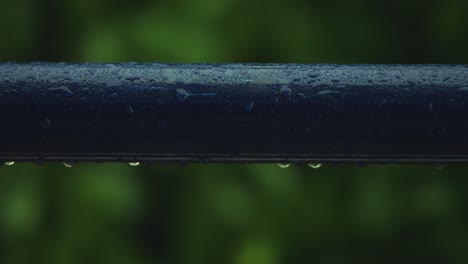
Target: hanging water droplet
362, 164
439, 166
283, 165
314, 165
134, 163
68, 164
9, 163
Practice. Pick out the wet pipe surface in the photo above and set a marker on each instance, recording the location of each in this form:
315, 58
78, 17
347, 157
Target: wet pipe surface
233, 112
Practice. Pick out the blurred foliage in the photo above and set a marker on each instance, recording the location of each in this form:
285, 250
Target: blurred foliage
240, 214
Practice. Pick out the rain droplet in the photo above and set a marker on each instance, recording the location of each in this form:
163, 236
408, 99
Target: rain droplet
182, 95
325, 92
301, 95
129, 109
46, 123
91, 71
114, 69
9, 163
313, 74
283, 165
134, 164
285, 91
68, 164
113, 83
249, 106
61, 90
314, 165
132, 78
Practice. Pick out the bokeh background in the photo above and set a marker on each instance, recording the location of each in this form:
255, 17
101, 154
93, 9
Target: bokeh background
240, 214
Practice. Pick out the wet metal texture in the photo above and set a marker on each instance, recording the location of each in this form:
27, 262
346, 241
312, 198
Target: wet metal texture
233, 112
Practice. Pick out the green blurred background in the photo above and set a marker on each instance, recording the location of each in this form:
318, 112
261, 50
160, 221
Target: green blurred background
115, 213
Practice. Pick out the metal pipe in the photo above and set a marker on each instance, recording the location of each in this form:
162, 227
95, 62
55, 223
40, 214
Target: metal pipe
233, 112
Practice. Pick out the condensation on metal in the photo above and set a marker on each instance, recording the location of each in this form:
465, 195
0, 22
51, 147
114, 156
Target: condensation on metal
233, 112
